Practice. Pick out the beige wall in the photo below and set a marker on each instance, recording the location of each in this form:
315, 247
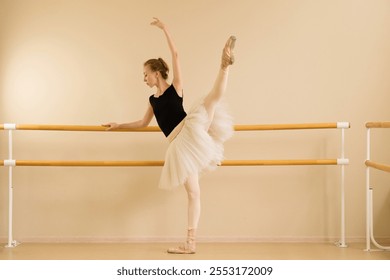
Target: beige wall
80, 62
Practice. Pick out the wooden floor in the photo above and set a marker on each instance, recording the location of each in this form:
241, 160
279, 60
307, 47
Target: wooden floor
205, 251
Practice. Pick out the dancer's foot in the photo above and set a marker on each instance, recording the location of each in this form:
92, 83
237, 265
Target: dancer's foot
189, 246
227, 53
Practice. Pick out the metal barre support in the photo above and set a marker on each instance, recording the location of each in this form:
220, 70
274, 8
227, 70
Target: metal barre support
369, 191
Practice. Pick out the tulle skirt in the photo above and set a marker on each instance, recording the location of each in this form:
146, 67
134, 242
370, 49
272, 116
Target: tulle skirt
196, 149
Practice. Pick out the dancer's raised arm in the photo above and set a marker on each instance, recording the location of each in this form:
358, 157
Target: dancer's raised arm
177, 79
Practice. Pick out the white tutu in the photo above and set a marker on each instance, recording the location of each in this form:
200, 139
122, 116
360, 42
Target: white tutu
195, 150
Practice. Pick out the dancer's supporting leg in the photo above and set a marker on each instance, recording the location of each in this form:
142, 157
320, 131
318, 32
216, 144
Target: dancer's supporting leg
193, 192
219, 88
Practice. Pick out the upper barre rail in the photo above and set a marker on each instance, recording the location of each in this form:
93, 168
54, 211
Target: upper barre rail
378, 125
69, 163
248, 127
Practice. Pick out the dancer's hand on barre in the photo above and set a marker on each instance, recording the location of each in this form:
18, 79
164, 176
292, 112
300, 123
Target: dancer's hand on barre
158, 23
111, 126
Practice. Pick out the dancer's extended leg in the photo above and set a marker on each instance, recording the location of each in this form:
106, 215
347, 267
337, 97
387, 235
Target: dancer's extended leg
220, 83
193, 193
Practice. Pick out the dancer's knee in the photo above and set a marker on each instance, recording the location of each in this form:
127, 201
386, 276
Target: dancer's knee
210, 106
193, 193
193, 189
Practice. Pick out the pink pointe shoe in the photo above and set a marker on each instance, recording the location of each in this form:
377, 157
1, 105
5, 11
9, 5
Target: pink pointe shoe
227, 53
189, 246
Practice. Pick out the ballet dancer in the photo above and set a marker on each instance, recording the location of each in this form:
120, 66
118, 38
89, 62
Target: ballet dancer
195, 139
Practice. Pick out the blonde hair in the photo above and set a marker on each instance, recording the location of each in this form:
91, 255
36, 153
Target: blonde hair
158, 65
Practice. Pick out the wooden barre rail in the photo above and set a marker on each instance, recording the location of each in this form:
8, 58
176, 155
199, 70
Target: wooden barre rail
378, 125
155, 128
161, 163
378, 166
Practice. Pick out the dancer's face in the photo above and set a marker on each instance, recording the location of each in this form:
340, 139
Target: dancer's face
150, 77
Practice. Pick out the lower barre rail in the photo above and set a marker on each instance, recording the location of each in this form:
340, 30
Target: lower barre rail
161, 163
379, 166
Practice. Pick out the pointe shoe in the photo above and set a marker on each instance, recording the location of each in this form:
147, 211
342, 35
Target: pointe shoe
227, 53
189, 246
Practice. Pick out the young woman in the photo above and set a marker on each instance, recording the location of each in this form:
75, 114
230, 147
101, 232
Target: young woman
196, 139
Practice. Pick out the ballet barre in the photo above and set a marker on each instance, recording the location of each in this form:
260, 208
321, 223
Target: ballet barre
250, 127
11, 163
379, 166
369, 190
81, 163
378, 125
